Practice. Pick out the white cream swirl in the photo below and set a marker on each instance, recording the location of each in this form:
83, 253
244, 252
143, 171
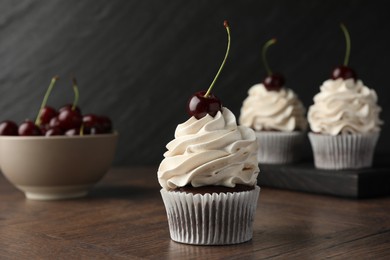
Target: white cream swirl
265, 110
344, 107
210, 151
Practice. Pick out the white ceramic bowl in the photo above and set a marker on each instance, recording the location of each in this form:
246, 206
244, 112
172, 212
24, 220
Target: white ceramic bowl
56, 167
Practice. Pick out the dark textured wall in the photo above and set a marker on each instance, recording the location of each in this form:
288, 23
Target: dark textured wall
139, 61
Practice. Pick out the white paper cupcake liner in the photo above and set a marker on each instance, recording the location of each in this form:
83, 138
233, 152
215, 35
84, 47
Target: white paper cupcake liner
343, 151
279, 147
211, 219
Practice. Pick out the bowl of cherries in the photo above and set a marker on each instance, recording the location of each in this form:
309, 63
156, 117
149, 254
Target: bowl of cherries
60, 155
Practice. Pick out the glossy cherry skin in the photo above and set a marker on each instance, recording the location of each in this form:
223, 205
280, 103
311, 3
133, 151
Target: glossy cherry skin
47, 114
72, 132
44, 128
274, 82
54, 122
199, 106
68, 119
69, 107
8, 128
92, 125
343, 72
28, 128
54, 131
106, 124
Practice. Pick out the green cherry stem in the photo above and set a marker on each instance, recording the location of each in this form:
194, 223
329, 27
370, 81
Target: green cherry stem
82, 129
226, 24
264, 52
76, 94
347, 44
45, 98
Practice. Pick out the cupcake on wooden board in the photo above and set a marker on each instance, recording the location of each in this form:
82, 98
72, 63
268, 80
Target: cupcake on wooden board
209, 175
277, 116
344, 120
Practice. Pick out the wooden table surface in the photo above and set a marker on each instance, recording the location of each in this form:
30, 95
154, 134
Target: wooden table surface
124, 217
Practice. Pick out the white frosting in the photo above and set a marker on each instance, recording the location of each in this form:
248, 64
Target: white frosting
344, 107
210, 151
265, 110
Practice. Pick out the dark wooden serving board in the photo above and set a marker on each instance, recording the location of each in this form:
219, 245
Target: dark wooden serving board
363, 183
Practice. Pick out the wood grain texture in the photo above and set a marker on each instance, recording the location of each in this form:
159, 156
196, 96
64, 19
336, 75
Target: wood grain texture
139, 61
124, 217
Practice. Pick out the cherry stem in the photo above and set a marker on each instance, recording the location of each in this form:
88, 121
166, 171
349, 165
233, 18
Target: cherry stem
347, 43
264, 52
82, 129
45, 98
226, 24
76, 94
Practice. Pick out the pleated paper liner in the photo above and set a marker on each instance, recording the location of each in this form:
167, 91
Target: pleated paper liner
211, 219
279, 147
352, 151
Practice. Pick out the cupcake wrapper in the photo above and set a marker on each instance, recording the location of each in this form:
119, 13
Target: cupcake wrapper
211, 219
279, 147
343, 151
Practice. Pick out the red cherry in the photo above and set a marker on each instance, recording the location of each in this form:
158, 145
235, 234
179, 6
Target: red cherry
199, 105
69, 107
344, 72
106, 124
204, 102
8, 128
91, 124
73, 132
67, 119
54, 122
274, 82
28, 128
54, 131
44, 128
47, 114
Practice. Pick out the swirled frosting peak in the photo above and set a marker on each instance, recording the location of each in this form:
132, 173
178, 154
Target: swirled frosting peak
265, 110
344, 107
210, 151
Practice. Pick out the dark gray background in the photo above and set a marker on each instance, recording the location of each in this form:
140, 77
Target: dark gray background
139, 61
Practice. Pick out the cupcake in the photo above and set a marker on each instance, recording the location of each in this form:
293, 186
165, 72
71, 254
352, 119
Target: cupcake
209, 175
344, 120
277, 116
345, 124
